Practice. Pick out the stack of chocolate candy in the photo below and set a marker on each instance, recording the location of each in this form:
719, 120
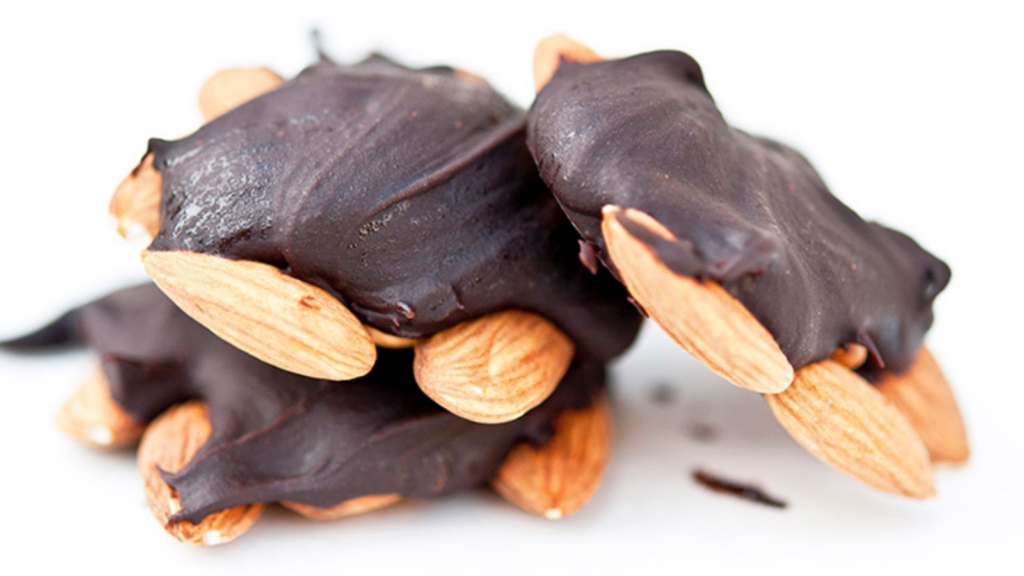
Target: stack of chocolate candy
375, 283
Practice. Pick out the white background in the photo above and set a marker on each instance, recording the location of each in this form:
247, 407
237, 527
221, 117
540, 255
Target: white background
911, 111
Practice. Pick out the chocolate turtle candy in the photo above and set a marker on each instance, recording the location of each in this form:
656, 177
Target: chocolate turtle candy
399, 199
236, 432
735, 246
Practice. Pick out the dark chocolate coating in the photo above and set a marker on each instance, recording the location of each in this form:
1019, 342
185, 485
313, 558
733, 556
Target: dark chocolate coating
409, 195
278, 436
643, 132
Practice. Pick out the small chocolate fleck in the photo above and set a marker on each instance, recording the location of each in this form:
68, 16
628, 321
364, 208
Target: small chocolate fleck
308, 302
663, 394
744, 491
588, 257
701, 432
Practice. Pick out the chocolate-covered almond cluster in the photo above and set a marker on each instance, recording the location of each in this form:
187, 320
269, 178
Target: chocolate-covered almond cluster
267, 435
315, 230
734, 245
381, 196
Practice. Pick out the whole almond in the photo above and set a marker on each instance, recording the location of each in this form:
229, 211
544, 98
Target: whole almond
558, 478
923, 395
169, 444
263, 311
352, 507
494, 368
91, 415
840, 418
703, 318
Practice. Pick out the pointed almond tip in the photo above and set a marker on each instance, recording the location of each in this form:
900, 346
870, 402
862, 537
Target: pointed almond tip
232, 87
281, 320
841, 419
135, 206
91, 415
925, 397
385, 340
554, 514
703, 318
361, 505
496, 368
559, 478
169, 444
552, 51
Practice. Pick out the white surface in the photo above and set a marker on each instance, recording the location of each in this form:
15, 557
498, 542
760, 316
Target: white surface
911, 112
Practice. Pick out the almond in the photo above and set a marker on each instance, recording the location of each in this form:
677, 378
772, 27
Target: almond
552, 51
92, 415
703, 318
263, 311
558, 478
923, 395
840, 418
169, 444
352, 507
233, 87
494, 368
135, 206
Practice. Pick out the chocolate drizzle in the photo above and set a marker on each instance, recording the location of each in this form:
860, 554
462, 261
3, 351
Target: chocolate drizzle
409, 195
278, 436
643, 132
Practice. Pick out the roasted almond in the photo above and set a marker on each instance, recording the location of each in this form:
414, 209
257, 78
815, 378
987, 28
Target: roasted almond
703, 318
350, 508
924, 396
135, 206
840, 418
91, 415
558, 478
552, 51
169, 444
263, 311
233, 87
495, 368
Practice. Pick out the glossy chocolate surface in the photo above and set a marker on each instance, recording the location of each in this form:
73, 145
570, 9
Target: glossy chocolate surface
407, 194
278, 436
643, 132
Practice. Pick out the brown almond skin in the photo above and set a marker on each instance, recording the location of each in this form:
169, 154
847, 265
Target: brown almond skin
168, 445
91, 415
557, 479
841, 419
496, 368
924, 396
701, 317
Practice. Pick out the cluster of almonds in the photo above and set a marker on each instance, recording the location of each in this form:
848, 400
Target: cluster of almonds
317, 224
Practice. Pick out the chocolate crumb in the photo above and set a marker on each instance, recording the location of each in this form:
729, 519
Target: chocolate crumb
701, 432
588, 257
663, 395
744, 491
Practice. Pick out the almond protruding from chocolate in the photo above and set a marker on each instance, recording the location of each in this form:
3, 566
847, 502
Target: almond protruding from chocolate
135, 206
349, 508
233, 87
924, 396
840, 418
263, 311
169, 444
91, 415
558, 478
552, 51
703, 318
852, 356
495, 368
385, 340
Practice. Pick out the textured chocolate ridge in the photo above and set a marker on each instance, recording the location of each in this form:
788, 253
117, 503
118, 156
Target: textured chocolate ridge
409, 195
278, 436
643, 132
